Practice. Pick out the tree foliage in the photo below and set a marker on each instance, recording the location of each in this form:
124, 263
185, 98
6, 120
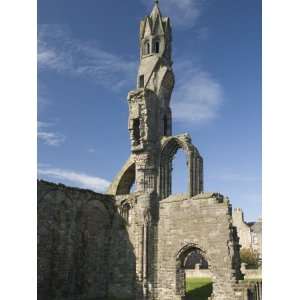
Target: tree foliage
250, 258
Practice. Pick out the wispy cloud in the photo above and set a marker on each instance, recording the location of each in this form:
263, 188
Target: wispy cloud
183, 13
48, 137
42, 96
79, 179
60, 52
197, 95
91, 150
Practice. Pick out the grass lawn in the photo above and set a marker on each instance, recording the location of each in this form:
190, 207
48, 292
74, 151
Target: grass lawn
198, 288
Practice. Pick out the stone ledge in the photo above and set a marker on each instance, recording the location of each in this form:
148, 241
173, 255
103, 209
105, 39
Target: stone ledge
212, 196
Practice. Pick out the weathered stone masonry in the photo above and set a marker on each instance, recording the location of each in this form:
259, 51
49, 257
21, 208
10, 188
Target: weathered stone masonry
167, 228
132, 245
84, 248
74, 237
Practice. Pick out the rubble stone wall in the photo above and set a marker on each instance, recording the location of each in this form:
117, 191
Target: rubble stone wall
74, 236
92, 246
203, 222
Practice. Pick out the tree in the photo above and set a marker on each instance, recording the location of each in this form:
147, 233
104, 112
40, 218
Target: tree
250, 258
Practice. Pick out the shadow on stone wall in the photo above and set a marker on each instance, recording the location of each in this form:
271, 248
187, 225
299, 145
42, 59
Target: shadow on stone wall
201, 293
84, 251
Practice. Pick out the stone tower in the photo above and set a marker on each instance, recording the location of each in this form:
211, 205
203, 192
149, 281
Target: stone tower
147, 211
150, 118
149, 121
149, 104
155, 70
134, 243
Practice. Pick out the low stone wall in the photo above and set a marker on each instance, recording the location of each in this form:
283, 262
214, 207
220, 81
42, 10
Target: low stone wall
198, 273
252, 274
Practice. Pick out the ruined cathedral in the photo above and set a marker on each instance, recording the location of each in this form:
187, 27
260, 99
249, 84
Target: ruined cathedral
133, 244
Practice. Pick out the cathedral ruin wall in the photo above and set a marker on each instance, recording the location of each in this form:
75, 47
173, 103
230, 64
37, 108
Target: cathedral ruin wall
74, 236
202, 222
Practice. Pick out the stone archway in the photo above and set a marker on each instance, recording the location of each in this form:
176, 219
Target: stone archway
181, 260
195, 261
170, 146
123, 182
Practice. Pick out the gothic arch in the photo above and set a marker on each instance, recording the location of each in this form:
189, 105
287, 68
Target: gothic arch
147, 48
169, 148
188, 248
181, 256
123, 182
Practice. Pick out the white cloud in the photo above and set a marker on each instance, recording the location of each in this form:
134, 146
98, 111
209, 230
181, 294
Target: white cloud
79, 179
197, 95
43, 124
48, 137
48, 58
183, 13
51, 138
59, 52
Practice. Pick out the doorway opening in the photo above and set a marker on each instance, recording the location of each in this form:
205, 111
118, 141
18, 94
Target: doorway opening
193, 276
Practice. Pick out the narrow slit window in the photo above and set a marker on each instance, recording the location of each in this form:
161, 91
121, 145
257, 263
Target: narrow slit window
136, 130
141, 81
157, 47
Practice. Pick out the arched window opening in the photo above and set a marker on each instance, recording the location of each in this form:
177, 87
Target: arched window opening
165, 125
195, 282
125, 212
156, 47
191, 163
136, 131
147, 48
179, 176
195, 260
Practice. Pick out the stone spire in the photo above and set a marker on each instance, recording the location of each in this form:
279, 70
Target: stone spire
155, 76
150, 116
155, 10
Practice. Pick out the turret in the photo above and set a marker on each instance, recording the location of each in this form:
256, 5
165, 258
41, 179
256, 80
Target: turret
150, 116
155, 36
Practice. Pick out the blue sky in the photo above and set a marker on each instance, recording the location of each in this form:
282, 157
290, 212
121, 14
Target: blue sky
88, 55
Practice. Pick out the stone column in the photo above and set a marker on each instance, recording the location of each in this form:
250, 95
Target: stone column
147, 215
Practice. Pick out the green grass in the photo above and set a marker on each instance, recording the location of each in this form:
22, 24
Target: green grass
198, 288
